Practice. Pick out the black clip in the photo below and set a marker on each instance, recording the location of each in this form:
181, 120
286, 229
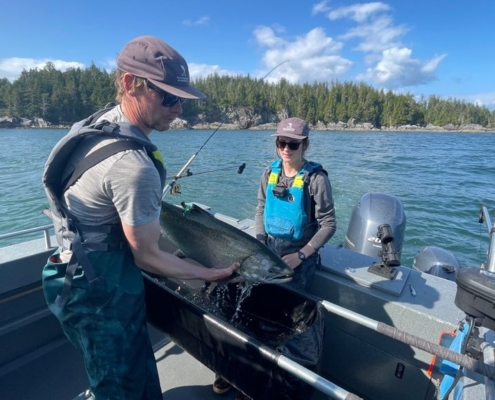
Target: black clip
280, 190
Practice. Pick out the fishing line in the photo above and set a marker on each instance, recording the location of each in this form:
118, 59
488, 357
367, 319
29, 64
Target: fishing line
169, 186
240, 170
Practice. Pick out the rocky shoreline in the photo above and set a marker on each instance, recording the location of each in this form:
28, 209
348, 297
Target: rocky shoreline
180, 124
340, 126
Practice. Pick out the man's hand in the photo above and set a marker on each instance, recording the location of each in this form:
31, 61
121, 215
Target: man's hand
219, 274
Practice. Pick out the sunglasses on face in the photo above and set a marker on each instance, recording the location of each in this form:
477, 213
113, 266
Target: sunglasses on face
292, 145
168, 100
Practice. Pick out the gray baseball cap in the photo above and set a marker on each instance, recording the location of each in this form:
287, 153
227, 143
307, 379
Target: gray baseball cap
151, 58
295, 128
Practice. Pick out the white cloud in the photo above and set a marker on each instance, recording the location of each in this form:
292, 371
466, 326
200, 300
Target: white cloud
203, 70
199, 22
431, 66
320, 8
377, 35
110, 64
312, 57
390, 62
358, 12
374, 26
398, 69
265, 36
11, 68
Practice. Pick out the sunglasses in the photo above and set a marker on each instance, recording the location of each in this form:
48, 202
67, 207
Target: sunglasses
292, 145
168, 100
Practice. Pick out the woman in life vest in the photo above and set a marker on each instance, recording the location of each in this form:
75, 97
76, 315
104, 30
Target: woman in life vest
295, 215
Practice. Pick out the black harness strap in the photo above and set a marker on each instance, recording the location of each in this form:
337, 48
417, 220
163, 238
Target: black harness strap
79, 249
78, 258
97, 156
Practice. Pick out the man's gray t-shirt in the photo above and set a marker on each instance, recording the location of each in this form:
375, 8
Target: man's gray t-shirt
125, 187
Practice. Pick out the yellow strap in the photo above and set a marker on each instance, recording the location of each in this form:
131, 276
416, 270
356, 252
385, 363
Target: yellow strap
298, 182
158, 156
273, 178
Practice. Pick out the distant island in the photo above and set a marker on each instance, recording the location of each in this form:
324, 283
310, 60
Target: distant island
234, 124
49, 98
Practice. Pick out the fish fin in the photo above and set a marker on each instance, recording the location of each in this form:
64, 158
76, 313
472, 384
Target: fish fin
198, 210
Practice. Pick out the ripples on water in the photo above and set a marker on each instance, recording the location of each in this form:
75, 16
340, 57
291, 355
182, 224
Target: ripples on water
441, 178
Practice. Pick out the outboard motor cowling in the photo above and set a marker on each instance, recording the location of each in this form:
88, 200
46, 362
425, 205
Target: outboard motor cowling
374, 210
436, 261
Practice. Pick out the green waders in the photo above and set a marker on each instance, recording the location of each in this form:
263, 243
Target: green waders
107, 322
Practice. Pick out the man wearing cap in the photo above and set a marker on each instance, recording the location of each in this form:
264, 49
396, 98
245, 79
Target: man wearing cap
104, 182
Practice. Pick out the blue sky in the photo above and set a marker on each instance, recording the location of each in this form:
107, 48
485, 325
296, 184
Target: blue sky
439, 47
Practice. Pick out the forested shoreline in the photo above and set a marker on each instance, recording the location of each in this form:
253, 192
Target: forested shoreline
51, 98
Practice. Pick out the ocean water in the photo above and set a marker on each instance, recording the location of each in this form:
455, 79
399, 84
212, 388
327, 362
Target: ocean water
442, 179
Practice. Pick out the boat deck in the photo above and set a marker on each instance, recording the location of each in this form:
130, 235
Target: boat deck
37, 362
56, 371
46, 366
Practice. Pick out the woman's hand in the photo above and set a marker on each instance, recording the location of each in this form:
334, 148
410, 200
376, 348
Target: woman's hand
292, 260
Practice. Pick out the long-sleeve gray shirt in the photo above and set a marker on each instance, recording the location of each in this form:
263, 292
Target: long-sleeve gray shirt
320, 191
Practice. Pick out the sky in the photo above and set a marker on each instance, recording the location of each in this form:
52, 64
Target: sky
423, 47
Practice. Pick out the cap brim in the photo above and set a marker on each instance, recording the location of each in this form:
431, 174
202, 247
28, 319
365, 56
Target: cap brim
289, 135
185, 92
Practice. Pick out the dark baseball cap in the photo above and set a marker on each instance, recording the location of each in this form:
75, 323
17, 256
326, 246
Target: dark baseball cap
151, 58
295, 128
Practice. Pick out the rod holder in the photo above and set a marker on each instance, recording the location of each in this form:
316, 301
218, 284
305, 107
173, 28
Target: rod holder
390, 256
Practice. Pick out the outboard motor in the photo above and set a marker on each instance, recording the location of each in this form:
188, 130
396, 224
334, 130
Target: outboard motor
436, 261
374, 210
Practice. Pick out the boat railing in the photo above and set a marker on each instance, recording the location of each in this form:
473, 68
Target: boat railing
45, 229
489, 264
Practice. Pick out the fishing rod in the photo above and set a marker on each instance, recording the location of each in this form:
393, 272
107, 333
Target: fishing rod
175, 189
170, 185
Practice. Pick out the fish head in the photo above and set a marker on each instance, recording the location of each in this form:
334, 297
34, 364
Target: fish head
257, 268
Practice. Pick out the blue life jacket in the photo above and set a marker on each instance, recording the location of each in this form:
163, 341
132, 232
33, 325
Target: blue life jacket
68, 230
286, 216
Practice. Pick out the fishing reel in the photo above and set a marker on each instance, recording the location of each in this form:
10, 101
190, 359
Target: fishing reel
175, 189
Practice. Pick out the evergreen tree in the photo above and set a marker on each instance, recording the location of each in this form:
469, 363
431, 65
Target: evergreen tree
66, 97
